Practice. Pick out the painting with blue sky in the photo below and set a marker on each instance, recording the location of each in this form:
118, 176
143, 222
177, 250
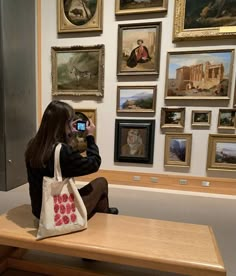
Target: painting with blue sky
199, 74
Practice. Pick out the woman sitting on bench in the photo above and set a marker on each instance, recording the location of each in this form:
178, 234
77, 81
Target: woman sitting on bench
57, 127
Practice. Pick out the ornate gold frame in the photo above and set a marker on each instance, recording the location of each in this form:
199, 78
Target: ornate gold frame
221, 111
180, 124
201, 124
74, 89
178, 163
65, 26
139, 110
161, 8
211, 158
179, 33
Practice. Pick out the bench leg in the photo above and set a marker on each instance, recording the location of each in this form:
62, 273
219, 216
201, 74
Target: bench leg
5, 252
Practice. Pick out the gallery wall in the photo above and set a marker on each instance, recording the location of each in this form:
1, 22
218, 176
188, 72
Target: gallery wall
106, 106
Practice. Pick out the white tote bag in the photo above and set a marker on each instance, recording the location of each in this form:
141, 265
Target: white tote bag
63, 210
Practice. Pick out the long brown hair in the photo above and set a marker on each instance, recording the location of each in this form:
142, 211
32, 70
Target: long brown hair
52, 130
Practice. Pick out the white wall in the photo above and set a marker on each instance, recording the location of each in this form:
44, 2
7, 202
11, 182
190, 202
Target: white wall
106, 107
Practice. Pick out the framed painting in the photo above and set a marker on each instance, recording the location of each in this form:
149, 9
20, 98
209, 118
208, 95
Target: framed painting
78, 141
204, 19
201, 118
134, 141
136, 99
172, 117
199, 74
78, 70
227, 119
139, 49
79, 15
124, 7
178, 149
221, 152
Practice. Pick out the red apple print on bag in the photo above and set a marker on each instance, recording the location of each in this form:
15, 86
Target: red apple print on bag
59, 198
57, 217
71, 198
64, 197
73, 217
65, 219
56, 208
62, 209
72, 207
55, 197
59, 222
68, 208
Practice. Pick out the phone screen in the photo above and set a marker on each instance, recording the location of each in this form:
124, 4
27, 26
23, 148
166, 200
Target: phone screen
81, 126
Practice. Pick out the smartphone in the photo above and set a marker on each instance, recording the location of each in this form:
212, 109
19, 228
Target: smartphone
80, 125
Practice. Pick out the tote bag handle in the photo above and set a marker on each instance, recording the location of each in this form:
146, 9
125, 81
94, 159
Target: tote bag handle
57, 167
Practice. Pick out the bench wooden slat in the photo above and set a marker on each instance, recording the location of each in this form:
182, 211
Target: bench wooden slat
155, 244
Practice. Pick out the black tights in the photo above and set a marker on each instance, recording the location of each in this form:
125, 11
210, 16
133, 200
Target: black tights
95, 196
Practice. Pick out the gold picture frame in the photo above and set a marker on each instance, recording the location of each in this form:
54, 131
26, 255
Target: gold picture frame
142, 38
201, 74
79, 16
178, 149
136, 99
201, 118
172, 117
227, 119
78, 70
234, 103
221, 152
193, 21
139, 8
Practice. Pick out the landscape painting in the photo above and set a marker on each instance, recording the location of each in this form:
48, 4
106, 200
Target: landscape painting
226, 119
222, 152
204, 19
172, 117
138, 49
78, 70
178, 150
136, 99
140, 6
201, 118
199, 74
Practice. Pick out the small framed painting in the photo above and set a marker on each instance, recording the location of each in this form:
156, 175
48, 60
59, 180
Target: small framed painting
134, 141
139, 49
201, 118
222, 152
124, 7
79, 15
78, 70
227, 119
204, 19
199, 75
136, 99
178, 149
172, 117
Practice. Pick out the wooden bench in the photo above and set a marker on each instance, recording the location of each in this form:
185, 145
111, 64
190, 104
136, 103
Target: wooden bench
181, 248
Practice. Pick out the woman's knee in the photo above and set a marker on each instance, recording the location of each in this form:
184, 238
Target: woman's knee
103, 184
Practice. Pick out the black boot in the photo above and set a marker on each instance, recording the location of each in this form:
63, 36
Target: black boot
113, 211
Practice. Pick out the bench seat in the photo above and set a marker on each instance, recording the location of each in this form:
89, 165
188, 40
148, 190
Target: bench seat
182, 248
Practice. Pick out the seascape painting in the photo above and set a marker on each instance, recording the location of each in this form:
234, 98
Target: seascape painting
199, 75
136, 99
225, 153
